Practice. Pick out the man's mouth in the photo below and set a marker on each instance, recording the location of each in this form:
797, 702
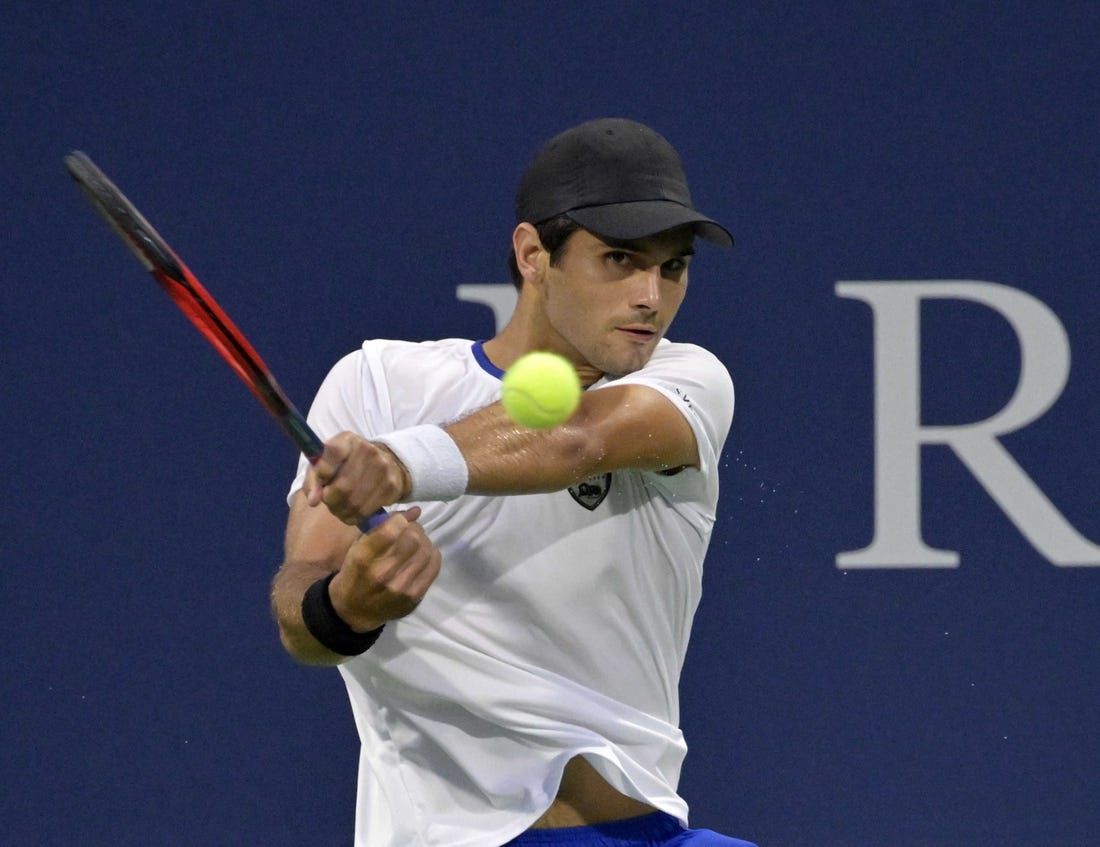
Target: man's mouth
638, 332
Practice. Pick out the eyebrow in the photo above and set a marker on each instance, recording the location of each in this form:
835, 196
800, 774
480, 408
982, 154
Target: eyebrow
634, 245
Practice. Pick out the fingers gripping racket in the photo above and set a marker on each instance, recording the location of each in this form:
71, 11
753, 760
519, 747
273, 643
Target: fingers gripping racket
195, 301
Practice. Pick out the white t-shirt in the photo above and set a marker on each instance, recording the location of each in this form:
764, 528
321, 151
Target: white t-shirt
558, 624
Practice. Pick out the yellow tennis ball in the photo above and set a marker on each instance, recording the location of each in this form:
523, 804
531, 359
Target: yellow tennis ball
541, 390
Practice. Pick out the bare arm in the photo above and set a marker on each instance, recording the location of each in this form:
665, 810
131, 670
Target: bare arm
628, 426
382, 575
625, 426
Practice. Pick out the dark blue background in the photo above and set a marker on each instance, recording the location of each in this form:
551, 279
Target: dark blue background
332, 172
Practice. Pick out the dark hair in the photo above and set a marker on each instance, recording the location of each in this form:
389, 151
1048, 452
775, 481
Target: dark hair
553, 234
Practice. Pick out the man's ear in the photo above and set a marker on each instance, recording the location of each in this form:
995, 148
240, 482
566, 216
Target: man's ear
532, 258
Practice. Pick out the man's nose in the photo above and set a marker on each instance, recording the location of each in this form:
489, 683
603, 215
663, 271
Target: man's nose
646, 291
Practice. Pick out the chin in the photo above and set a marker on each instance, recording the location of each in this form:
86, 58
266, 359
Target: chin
617, 359
623, 365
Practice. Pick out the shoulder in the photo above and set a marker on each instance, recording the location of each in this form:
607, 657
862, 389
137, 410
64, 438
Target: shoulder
382, 365
679, 354
417, 382
696, 381
390, 358
683, 368
390, 349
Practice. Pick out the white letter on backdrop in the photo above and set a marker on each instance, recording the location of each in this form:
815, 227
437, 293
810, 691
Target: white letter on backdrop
1045, 359
498, 297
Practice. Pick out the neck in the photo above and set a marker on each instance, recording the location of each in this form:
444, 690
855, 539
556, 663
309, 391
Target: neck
526, 331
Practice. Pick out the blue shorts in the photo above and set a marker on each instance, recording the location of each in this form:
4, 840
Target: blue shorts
656, 830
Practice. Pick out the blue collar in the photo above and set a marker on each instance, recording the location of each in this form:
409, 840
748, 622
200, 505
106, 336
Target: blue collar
478, 350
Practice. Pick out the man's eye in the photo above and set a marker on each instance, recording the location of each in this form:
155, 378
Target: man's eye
618, 257
675, 267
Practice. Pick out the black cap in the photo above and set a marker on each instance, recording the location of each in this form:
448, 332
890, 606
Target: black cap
616, 178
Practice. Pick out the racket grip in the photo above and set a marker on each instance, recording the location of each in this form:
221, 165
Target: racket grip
373, 521
313, 447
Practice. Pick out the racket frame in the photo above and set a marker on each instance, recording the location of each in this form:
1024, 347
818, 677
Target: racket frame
193, 299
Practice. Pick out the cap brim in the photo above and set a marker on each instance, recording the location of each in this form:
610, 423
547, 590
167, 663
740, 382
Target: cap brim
643, 218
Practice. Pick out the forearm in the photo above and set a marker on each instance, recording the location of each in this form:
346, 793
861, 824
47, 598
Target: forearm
505, 458
377, 577
486, 453
287, 591
613, 429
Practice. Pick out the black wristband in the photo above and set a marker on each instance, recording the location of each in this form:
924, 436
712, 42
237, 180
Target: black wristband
329, 628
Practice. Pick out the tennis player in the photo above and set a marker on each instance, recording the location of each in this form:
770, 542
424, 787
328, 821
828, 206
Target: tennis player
512, 637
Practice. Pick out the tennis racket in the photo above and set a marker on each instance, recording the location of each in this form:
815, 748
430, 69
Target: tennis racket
195, 301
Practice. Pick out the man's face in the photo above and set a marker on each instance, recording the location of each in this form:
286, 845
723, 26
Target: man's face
610, 302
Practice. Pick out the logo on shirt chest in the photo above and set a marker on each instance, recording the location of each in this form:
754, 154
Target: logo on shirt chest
592, 491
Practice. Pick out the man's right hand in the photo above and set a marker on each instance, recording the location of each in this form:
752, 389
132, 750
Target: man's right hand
355, 477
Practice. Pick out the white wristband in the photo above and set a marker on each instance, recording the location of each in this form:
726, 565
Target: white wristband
436, 466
